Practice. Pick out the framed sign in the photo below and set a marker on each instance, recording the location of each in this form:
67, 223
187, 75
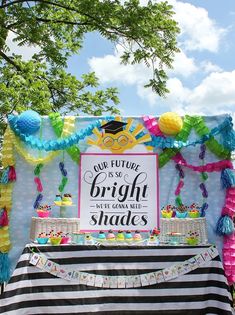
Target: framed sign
118, 191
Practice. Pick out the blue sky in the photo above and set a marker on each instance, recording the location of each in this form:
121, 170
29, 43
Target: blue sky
203, 80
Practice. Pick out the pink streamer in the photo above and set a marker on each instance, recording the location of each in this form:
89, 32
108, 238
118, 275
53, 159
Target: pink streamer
229, 258
229, 206
179, 187
152, 125
38, 183
210, 167
229, 240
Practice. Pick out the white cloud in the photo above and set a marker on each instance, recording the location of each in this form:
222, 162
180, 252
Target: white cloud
148, 95
183, 65
110, 69
213, 96
215, 93
175, 100
26, 51
208, 66
198, 31
178, 93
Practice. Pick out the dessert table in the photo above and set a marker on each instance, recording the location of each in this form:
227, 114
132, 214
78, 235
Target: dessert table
31, 290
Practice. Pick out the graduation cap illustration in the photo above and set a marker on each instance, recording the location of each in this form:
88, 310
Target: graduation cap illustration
113, 126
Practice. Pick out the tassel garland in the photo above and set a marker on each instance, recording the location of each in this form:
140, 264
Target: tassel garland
227, 178
224, 226
12, 174
4, 267
4, 178
3, 217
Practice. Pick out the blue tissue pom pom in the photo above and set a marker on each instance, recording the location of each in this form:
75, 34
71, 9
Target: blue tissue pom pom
29, 122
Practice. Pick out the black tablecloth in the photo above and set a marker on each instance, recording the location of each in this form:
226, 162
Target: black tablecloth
34, 291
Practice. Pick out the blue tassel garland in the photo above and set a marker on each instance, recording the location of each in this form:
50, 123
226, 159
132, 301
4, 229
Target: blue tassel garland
4, 267
5, 177
224, 226
228, 135
227, 178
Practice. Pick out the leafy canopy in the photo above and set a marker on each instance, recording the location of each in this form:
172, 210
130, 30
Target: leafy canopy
57, 28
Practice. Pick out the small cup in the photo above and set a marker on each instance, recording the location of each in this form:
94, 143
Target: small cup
43, 214
55, 240
192, 241
174, 238
65, 240
78, 238
167, 214
181, 215
42, 240
194, 214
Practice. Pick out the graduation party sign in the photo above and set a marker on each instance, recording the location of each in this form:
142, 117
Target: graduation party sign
118, 191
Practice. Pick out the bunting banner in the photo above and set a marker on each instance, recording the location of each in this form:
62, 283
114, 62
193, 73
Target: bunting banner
42, 262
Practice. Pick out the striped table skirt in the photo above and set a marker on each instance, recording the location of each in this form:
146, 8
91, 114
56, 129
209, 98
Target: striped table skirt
34, 291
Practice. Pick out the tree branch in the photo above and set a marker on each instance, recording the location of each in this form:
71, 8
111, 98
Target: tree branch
9, 60
49, 21
61, 21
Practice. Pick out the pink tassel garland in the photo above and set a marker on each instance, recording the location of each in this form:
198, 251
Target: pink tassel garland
3, 218
12, 174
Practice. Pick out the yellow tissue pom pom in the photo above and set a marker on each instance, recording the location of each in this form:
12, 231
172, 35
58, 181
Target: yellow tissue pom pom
170, 123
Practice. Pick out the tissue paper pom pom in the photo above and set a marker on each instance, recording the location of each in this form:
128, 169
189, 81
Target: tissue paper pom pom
170, 123
29, 122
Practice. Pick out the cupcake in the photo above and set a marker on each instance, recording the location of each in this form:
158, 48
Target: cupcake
153, 240
111, 236
101, 236
42, 238
55, 240
192, 238
65, 239
89, 240
155, 231
67, 200
137, 236
174, 238
128, 236
44, 211
167, 214
194, 213
58, 200
120, 236
167, 211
